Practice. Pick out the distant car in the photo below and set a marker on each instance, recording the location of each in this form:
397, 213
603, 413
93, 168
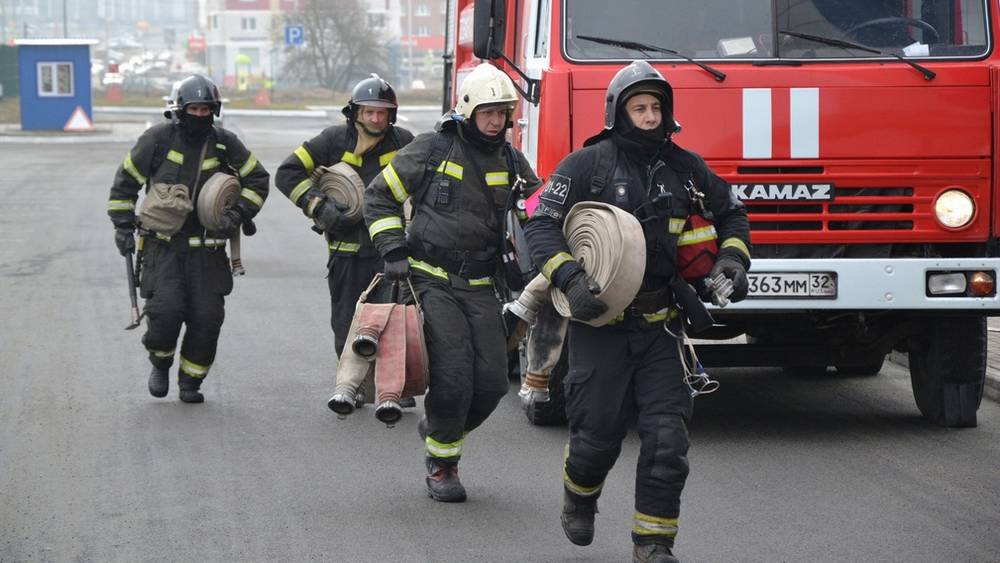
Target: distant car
124, 43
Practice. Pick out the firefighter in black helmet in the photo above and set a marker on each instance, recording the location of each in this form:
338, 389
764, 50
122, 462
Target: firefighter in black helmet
185, 273
631, 368
367, 141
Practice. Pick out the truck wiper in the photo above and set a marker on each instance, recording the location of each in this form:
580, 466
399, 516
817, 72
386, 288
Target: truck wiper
928, 73
644, 49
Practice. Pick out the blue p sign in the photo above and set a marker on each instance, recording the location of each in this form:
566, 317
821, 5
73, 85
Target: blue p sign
295, 35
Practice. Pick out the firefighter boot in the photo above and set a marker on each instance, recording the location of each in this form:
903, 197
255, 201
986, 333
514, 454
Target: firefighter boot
578, 517
652, 553
159, 381
189, 388
442, 481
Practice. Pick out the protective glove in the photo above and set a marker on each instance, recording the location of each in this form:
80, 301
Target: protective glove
124, 241
329, 214
397, 270
581, 292
229, 223
732, 268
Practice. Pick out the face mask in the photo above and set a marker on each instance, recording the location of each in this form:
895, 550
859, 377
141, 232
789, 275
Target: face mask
645, 141
196, 125
482, 141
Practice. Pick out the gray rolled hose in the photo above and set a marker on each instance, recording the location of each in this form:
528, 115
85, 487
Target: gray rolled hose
609, 243
343, 184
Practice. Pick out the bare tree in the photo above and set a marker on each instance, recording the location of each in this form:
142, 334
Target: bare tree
339, 49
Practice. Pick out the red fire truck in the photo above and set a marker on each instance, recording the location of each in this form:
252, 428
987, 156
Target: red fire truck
862, 135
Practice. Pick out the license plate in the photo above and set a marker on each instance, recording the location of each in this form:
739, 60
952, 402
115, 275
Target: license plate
797, 285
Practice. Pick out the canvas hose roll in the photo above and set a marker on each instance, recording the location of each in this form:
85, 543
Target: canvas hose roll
390, 335
342, 183
219, 193
609, 243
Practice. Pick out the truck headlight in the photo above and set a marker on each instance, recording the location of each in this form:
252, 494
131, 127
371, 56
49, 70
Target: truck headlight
954, 209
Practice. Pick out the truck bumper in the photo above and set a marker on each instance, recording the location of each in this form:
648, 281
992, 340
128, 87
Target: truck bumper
876, 284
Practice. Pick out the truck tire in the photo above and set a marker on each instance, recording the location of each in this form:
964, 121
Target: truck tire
806, 372
948, 370
515, 364
865, 370
552, 413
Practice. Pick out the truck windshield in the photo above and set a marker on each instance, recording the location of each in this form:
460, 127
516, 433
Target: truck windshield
749, 29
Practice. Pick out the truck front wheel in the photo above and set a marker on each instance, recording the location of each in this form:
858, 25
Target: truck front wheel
948, 370
552, 413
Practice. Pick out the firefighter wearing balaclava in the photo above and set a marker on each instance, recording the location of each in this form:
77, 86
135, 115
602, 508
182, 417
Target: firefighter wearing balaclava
630, 368
459, 180
367, 142
186, 274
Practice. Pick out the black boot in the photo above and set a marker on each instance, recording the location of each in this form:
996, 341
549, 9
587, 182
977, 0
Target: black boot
159, 381
189, 389
442, 481
578, 517
652, 553
407, 402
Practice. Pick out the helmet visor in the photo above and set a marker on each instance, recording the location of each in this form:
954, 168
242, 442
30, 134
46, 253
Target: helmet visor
376, 103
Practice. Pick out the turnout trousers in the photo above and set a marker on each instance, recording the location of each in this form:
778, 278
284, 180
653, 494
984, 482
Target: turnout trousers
348, 276
617, 374
467, 350
184, 283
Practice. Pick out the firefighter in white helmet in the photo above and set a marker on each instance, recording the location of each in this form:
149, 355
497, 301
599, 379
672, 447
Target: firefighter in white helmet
459, 180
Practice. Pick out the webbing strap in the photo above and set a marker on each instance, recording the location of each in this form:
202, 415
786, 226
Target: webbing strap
604, 167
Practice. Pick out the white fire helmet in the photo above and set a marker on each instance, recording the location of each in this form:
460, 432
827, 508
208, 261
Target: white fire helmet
485, 85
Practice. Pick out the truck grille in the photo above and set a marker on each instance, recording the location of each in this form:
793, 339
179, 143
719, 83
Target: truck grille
852, 209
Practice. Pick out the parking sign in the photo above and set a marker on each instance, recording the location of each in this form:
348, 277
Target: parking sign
295, 34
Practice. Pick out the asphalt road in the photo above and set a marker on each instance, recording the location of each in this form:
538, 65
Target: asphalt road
94, 469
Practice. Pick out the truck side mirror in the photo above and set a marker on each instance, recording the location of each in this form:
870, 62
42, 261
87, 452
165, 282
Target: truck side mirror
489, 28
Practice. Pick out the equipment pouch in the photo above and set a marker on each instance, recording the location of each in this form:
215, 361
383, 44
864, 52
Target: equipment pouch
165, 208
697, 248
443, 193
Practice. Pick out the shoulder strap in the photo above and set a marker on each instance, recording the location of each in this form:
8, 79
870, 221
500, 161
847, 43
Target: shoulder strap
224, 154
604, 168
685, 164
161, 148
516, 181
439, 149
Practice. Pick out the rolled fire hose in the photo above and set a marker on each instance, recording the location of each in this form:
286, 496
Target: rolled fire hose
612, 248
217, 194
609, 243
343, 184
389, 336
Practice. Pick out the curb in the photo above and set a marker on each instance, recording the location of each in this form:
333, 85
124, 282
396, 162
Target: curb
310, 111
991, 388
245, 112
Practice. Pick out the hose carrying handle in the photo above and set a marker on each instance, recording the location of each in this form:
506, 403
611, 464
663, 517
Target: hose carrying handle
395, 291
